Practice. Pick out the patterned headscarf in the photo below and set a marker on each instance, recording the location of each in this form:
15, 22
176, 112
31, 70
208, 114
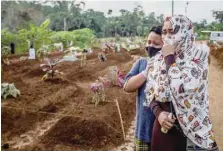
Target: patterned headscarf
185, 84
182, 37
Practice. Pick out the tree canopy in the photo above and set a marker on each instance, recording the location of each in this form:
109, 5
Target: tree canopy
72, 15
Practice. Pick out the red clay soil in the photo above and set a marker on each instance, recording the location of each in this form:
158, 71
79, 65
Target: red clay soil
81, 125
97, 128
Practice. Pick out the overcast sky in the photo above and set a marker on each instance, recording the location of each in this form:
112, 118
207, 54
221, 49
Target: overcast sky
197, 10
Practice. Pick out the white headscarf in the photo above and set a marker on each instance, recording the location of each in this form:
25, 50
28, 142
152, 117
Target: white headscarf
185, 84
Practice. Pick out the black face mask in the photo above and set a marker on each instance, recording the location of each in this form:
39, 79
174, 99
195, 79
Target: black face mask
152, 51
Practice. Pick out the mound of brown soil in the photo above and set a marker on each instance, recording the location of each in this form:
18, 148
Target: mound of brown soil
56, 81
217, 53
120, 57
84, 133
16, 122
138, 52
34, 72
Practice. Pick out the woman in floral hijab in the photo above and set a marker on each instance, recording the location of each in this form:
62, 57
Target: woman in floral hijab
178, 84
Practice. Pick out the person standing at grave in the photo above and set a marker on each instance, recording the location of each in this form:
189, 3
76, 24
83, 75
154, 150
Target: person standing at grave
135, 80
177, 90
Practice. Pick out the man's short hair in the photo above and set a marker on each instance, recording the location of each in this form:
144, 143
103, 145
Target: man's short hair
156, 29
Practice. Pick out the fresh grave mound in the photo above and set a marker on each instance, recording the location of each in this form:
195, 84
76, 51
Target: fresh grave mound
35, 92
94, 54
120, 57
19, 66
218, 54
138, 52
16, 122
95, 127
84, 133
34, 72
57, 81
74, 72
16, 56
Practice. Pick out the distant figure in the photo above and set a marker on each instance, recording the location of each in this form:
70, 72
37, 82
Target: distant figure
32, 53
85, 51
102, 57
12, 46
84, 57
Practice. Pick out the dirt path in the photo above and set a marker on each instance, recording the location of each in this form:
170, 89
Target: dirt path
129, 140
216, 102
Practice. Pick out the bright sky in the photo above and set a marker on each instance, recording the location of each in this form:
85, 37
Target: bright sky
196, 10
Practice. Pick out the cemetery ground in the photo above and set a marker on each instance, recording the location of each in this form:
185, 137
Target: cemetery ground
59, 114
54, 113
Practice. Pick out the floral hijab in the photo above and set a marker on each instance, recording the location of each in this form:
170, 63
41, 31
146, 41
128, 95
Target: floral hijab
185, 84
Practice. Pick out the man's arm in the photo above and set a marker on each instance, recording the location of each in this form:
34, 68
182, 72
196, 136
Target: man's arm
134, 83
134, 79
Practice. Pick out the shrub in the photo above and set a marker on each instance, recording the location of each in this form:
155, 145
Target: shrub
9, 90
82, 38
49, 68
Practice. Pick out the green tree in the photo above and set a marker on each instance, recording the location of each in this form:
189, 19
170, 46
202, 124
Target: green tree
109, 12
218, 15
145, 31
139, 30
37, 34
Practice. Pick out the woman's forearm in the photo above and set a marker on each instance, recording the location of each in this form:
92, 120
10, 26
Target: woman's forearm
156, 108
134, 83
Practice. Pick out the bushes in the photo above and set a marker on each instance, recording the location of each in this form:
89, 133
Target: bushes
9, 90
203, 37
81, 38
7, 37
41, 35
37, 35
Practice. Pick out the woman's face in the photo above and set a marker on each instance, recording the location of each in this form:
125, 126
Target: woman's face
169, 35
167, 30
154, 40
178, 32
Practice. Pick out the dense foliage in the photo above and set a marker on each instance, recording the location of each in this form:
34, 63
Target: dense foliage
48, 22
71, 15
42, 36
